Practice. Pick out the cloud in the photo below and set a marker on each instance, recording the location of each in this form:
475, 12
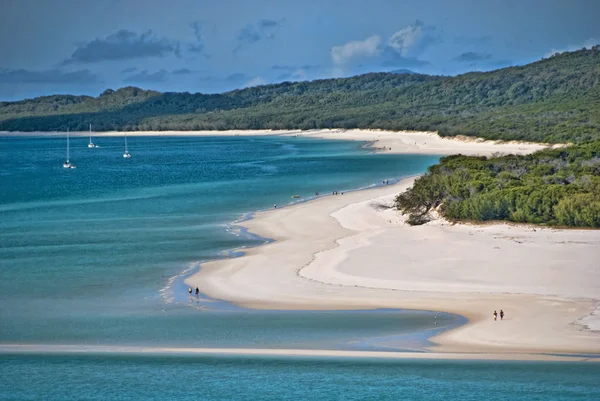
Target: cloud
588, 44
413, 39
252, 33
123, 45
256, 81
470, 57
248, 35
401, 62
401, 50
306, 67
298, 75
268, 28
390, 58
310, 67
182, 71
197, 47
54, 76
237, 78
145, 77
278, 67
356, 49
128, 70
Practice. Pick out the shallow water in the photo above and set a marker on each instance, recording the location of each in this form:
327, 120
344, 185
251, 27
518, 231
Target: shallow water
91, 256
87, 254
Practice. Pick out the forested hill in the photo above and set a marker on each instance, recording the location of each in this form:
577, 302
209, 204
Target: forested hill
554, 100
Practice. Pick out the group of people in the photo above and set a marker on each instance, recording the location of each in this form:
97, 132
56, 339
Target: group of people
332, 193
190, 291
501, 315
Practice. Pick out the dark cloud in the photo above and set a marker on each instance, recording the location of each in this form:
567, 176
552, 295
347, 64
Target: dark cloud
197, 47
268, 28
128, 70
470, 57
263, 29
54, 76
393, 59
182, 71
248, 35
145, 77
124, 45
278, 67
267, 23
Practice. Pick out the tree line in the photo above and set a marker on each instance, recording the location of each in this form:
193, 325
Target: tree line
550, 187
552, 100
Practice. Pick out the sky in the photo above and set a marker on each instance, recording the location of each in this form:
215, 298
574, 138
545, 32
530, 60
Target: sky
84, 47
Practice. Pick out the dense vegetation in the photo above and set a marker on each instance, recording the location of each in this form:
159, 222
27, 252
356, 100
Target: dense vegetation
553, 100
554, 187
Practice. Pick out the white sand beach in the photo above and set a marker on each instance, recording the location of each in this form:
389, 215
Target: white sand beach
414, 142
353, 251
397, 142
275, 352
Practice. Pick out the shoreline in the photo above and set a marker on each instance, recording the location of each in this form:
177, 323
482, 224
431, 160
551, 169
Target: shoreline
335, 287
37, 349
381, 141
247, 282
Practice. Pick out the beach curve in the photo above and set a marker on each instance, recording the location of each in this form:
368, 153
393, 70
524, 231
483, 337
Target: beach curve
325, 250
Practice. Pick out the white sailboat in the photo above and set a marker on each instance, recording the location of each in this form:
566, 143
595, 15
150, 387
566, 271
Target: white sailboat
91, 144
126, 155
67, 163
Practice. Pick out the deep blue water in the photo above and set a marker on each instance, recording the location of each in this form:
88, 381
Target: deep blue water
105, 377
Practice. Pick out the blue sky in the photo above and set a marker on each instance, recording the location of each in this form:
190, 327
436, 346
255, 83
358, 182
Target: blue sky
84, 47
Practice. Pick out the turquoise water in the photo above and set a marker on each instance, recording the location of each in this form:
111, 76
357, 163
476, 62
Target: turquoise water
95, 255
36, 377
87, 254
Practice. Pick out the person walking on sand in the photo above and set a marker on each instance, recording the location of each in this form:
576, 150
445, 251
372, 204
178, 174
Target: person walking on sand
190, 291
197, 292
495, 315
501, 314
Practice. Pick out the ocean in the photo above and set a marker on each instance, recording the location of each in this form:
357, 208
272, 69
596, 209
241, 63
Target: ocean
96, 255
117, 377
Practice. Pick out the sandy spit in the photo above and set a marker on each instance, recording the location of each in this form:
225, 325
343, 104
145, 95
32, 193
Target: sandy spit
354, 251
401, 142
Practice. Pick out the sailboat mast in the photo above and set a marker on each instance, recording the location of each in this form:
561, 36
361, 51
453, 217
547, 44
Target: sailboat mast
125, 142
67, 144
90, 133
